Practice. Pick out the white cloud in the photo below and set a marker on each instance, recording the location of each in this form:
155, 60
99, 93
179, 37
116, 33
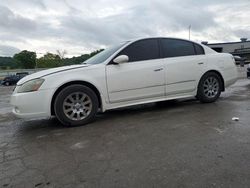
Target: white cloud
82, 26
6, 50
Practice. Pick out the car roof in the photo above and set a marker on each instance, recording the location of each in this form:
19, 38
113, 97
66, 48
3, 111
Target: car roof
143, 38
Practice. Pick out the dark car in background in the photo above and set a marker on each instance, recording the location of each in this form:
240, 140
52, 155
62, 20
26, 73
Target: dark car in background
13, 79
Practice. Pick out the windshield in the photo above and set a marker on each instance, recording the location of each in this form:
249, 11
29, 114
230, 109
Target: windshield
104, 55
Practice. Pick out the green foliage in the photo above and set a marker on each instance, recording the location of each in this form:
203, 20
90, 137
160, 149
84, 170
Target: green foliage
26, 59
49, 60
8, 63
80, 59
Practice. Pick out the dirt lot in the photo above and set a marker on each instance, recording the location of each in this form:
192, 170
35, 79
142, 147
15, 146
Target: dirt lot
178, 144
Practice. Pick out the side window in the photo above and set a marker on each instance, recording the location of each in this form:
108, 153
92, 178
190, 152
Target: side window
176, 48
199, 50
142, 50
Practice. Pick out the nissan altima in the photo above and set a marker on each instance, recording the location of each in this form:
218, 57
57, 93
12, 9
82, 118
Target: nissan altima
130, 73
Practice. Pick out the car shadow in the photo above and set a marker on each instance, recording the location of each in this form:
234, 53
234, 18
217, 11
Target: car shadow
40, 124
145, 108
52, 124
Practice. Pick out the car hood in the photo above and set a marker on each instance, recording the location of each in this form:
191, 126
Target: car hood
49, 72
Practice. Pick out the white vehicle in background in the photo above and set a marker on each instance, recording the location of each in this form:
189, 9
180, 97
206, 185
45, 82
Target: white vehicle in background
134, 72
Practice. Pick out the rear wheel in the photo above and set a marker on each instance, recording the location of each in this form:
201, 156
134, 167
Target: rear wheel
76, 105
209, 88
7, 83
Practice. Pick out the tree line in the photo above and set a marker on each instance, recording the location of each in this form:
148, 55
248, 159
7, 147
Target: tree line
28, 60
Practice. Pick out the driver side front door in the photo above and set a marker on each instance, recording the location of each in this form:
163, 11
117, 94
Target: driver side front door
143, 77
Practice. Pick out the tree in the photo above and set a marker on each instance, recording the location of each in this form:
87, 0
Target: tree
49, 60
61, 53
26, 59
80, 59
8, 63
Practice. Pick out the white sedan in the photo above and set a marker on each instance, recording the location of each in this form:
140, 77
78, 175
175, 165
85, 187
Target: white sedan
134, 72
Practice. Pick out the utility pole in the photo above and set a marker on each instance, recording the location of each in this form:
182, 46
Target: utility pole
189, 32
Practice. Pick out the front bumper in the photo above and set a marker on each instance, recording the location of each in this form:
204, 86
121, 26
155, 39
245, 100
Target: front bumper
32, 104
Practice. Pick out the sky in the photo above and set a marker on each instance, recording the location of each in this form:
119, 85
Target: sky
82, 26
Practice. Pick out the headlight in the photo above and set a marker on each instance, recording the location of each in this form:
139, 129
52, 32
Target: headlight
32, 85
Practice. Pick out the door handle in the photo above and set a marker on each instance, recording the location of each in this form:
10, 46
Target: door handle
201, 63
157, 70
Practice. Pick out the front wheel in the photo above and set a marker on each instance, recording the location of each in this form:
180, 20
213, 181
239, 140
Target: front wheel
209, 88
76, 105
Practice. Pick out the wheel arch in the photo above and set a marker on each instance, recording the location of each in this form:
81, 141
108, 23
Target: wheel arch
219, 74
84, 83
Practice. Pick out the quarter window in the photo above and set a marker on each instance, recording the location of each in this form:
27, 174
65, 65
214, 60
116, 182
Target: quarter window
199, 50
176, 48
142, 50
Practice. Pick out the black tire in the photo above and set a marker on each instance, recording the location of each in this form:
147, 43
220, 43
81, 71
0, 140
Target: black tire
7, 83
60, 101
204, 91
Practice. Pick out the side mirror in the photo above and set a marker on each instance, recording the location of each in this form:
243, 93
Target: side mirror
121, 59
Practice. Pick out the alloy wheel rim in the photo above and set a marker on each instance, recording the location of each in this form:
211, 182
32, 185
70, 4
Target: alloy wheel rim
77, 106
211, 87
